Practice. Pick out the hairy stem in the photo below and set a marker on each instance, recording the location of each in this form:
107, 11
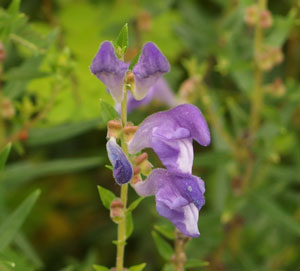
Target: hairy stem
257, 95
180, 256
124, 190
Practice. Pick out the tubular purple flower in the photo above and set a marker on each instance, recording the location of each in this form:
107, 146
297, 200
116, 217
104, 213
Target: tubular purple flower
151, 65
160, 91
122, 169
170, 134
110, 70
179, 197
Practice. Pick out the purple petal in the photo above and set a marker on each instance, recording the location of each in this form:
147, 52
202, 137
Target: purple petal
110, 70
163, 93
160, 91
122, 169
174, 148
173, 128
150, 67
179, 197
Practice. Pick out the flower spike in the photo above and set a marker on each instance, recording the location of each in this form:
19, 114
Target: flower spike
122, 169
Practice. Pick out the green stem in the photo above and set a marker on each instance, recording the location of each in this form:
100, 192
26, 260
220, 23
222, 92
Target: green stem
2, 124
124, 190
257, 94
180, 255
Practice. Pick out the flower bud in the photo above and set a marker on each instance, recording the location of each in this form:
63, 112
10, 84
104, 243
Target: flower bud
144, 21
265, 19
23, 135
276, 55
136, 179
2, 53
129, 80
276, 88
251, 15
144, 164
114, 128
269, 57
7, 109
117, 212
129, 132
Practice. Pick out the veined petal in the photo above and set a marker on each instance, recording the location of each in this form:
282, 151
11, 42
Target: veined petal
122, 169
191, 118
174, 148
179, 197
170, 128
110, 70
151, 65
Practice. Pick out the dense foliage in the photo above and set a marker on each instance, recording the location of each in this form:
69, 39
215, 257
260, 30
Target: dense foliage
243, 77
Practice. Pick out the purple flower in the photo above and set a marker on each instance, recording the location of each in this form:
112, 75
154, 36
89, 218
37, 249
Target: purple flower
151, 66
179, 197
160, 91
122, 169
170, 134
111, 70
178, 194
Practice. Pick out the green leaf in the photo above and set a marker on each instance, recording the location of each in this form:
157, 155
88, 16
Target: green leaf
271, 208
109, 167
134, 61
28, 251
163, 247
3, 155
12, 223
14, 7
166, 231
20, 173
134, 204
107, 112
129, 225
122, 39
7, 265
100, 267
41, 136
106, 196
168, 267
193, 263
138, 267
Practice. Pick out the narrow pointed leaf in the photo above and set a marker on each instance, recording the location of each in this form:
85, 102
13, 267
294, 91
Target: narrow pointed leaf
194, 263
107, 112
11, 225
122, 39
100, 267
166, 231
106, 196
274, 211
129, 225
134, 204
163, 247
138, 267
3, 155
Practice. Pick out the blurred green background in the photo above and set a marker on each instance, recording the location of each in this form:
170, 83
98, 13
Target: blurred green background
51, 112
